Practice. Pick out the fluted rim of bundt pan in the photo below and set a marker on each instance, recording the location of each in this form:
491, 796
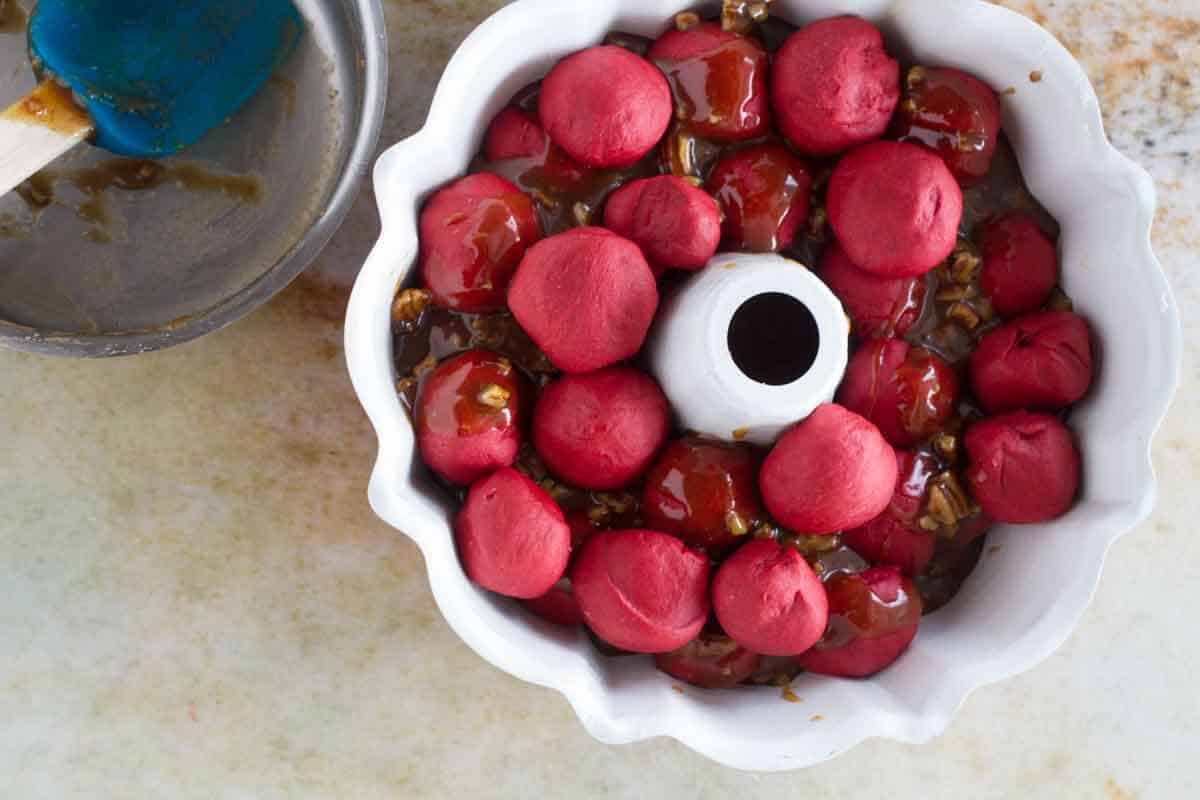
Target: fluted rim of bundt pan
1033, 584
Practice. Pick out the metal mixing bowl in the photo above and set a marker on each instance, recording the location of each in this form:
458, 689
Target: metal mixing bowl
116, 271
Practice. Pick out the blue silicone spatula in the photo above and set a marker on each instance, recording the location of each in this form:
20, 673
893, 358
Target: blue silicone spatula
141, 78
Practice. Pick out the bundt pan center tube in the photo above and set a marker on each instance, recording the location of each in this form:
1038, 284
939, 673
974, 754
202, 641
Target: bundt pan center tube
749, 346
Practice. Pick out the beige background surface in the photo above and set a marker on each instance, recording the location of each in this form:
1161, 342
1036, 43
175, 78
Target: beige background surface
196, 602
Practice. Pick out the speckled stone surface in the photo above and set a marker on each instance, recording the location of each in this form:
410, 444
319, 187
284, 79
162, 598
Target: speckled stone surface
196, 602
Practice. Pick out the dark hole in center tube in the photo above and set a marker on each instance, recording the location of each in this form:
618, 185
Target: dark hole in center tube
774, 339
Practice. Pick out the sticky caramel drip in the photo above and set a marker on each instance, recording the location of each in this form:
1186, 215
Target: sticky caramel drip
50, 106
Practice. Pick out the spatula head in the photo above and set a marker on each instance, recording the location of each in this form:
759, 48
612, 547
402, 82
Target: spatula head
156, 75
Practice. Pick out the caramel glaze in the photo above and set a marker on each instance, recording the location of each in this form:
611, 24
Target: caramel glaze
50, 106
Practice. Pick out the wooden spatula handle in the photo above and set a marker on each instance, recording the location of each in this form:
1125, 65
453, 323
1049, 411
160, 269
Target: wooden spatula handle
36, 130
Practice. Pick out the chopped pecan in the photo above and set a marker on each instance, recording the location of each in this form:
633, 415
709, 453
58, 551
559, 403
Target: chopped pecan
617, 502
818, 222
759, 11
740, 16
964, 263
764, 530
547, 201
493, 396
812, 545
679, 152
947, 503
985, 310
736, 524
686, 20
582, 213
552, 488
964, 315
954, 294
407, 388
408, 307
946, 446
427, 365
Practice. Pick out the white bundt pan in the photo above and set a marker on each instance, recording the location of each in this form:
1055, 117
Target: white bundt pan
1026, 596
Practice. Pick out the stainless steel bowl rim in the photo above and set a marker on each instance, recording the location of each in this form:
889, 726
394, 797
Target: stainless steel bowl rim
284, 271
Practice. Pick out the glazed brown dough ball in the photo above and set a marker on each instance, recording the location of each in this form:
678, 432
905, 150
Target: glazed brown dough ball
710, 661
705, 492
468, 416
586, 297
606, 106
514, 134
894, 537
833, 86
642, 591
677, 225
953, 113
1020, 264
517, 136
511, 536
764, 192
719, 79
877, 307
874, 617
907, 392
601, 430
769, 601
831, 472
1023, 467
474, 233
895, 209
1042, 362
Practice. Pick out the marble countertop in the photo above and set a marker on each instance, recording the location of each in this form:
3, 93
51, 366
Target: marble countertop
196, 602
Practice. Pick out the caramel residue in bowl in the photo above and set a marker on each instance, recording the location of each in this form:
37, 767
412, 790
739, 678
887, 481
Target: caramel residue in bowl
37, 191
287, 87
12, 17
131, 175
10, 228
193, 177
